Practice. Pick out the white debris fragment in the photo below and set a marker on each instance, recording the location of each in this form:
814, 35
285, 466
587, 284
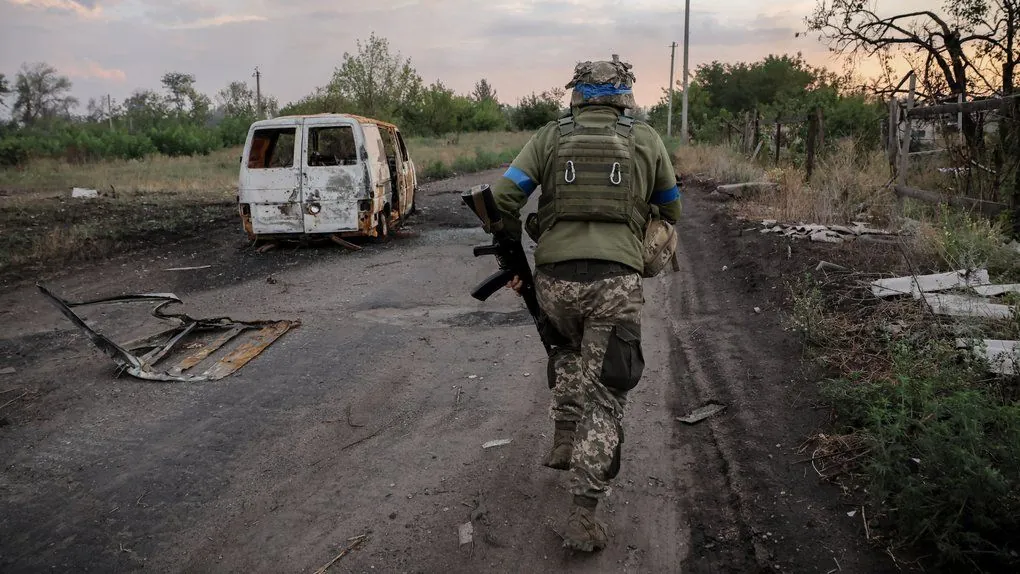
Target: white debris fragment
852, 513
825, 233
495, 443
826, 236
757, 309
996, 290
960, 306
472, 376
929, 283
466, 533
1002, 356
83, 193
826, 266
8, 371
702, 413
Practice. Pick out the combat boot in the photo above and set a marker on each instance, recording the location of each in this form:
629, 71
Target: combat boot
563, 446
584, 532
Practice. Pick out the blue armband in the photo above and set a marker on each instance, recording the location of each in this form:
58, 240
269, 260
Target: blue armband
521, 180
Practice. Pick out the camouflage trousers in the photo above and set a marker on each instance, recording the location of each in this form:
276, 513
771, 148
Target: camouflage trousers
591, 373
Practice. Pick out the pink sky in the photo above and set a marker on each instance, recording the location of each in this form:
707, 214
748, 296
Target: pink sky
115, 46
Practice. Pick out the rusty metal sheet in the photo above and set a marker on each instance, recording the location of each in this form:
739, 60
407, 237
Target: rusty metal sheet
160, 345
248, 350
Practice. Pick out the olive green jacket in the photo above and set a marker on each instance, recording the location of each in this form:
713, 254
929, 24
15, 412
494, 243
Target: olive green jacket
569, 240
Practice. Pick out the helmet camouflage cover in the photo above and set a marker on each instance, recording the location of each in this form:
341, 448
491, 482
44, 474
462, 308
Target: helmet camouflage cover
603, 83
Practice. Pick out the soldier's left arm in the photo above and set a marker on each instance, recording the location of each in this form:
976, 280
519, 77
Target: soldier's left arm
666, 192
520, 180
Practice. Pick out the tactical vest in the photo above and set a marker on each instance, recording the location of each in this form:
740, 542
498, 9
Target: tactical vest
593, 177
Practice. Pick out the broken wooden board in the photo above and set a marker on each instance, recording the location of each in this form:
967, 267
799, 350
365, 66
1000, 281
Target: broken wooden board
914, 286
1002, 356
961, 306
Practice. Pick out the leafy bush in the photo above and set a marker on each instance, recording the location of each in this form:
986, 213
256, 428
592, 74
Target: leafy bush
534, 111
183, 139
944, 454
13, 151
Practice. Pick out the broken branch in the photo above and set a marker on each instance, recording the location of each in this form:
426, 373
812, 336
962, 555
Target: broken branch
15, 399
357, 540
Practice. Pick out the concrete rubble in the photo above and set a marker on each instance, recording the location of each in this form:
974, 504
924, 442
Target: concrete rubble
1001, 356
829, 233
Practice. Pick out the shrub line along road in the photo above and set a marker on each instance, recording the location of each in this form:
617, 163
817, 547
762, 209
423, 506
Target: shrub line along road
370, 419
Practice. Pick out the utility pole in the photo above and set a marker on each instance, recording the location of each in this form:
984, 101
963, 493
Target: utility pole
109, 110
687, 37
258, 92
672, 66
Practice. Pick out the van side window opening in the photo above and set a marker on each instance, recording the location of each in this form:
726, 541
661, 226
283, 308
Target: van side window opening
333, 145
272, 148
403, 148
390, 150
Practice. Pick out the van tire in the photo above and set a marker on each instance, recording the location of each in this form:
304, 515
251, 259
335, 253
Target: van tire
382, 228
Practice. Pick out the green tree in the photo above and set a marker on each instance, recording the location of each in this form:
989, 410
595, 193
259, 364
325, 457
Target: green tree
238, 100
536, 110
145, 109
184, 100
5, 90
41, 94
374, 82
484, 92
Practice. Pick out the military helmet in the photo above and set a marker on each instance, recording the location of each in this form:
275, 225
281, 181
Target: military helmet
603, 83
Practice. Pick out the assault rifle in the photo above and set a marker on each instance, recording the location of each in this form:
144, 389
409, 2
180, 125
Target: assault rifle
511, 259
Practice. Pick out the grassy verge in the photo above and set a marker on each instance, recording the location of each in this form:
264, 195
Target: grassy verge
923, 434
846, 183
437, 158
156, 199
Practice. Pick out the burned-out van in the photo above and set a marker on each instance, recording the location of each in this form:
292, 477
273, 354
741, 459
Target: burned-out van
334, 174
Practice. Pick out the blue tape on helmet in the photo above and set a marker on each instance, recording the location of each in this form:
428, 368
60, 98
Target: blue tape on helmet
589, 91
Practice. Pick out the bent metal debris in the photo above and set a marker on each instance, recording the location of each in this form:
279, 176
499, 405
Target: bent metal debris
141, 358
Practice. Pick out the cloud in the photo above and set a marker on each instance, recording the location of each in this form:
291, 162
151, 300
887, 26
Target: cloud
520, 46
92, 70
84, 9
216, 21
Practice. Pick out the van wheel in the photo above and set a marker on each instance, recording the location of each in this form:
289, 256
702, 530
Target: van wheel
382, 228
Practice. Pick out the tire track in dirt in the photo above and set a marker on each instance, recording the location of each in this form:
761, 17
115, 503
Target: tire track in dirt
750, 506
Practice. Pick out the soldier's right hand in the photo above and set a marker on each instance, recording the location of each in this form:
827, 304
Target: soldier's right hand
516, 285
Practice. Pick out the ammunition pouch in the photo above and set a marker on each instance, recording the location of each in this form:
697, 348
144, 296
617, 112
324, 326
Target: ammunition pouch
624, 361
659, 246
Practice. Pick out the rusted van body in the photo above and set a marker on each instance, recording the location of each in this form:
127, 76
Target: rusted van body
333, 174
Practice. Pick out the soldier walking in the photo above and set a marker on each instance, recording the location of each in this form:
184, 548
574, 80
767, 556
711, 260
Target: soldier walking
604, 178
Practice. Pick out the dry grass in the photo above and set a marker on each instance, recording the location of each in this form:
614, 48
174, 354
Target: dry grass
718, 163
216, 173
845, 185
448, 150
149, 201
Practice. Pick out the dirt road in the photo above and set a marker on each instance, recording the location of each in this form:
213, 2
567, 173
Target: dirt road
369, 419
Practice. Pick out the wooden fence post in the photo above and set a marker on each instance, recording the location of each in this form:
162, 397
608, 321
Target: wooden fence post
812, 141
779, 137
757, 129
908, 134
